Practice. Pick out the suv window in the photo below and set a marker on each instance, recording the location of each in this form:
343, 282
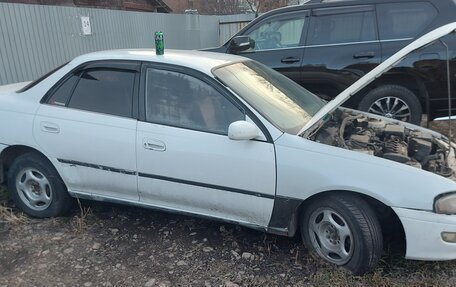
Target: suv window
342, 28
278, 33
404, 20
184, 101
104, 91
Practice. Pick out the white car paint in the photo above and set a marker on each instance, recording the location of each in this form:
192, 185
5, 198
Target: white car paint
320, 168
92, 138
423, 231
247, 166
290, 167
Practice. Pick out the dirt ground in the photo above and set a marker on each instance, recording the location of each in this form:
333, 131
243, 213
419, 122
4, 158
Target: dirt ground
111, 245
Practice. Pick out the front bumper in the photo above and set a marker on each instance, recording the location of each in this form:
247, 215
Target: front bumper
423, 232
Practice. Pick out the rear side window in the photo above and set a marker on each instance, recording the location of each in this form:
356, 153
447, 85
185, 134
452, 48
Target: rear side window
63, 92
342, 28
404, 20
104, 91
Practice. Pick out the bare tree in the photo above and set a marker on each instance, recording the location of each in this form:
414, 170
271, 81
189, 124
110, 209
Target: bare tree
220, 7
226, 7
261, 6
179, 6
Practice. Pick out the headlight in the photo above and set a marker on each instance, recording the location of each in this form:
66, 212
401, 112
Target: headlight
446, 204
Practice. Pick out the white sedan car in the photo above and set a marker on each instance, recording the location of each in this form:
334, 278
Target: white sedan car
225, 137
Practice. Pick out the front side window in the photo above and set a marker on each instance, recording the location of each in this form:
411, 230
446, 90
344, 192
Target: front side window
404, 20
342, 28
104, 91
180, 100
281, 33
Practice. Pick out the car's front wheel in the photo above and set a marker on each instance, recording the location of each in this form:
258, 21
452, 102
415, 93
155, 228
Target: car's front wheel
36, 188
344, 230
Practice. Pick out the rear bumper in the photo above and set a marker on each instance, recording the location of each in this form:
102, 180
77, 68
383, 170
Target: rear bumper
423, 232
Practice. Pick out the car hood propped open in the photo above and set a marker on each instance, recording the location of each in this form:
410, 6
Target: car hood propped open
378, 71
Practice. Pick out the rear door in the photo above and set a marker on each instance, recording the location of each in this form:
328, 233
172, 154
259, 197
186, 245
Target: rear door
342, 45
279, 43
88, 125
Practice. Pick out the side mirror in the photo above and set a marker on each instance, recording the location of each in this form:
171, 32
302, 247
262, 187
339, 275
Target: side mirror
241, 43
243, 130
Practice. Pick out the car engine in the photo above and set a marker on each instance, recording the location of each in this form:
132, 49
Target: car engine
390, 140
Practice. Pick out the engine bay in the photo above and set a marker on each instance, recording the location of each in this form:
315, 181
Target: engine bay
390, 140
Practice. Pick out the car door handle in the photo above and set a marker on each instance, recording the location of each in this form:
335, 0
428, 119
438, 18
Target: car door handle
290, 60
152, 144
364, 55
50, 127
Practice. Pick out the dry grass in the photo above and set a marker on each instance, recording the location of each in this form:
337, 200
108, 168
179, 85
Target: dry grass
79, 222
7, 214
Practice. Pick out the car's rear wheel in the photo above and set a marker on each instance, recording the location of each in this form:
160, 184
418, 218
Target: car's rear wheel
36, 188
393, 101
343, 229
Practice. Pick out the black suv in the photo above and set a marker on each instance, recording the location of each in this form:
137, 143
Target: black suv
327, 45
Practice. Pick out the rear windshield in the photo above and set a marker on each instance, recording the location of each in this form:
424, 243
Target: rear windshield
40, 79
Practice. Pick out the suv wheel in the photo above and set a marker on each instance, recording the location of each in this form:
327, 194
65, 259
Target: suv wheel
392, 101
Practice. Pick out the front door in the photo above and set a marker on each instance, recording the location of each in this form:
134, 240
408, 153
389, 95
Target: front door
186, 162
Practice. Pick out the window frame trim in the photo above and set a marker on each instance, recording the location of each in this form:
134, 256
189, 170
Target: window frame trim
343, 10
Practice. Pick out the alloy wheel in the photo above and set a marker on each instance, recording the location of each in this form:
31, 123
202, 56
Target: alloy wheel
391, 107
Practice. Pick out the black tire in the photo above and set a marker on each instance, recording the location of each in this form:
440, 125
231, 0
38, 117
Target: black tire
364, 245
36, 188
394, 92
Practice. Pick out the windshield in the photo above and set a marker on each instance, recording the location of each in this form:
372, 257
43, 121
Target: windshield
287, 105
